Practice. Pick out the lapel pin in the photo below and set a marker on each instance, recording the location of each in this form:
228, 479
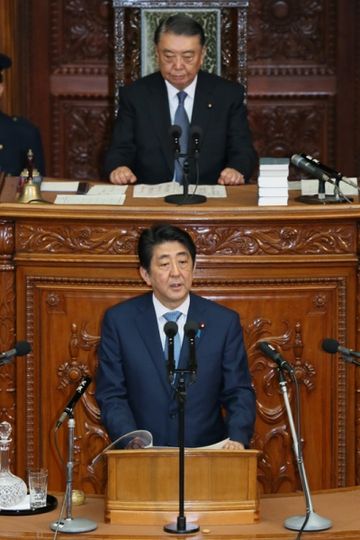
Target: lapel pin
209, 105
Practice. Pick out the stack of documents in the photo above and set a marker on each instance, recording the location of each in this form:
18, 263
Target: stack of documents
273, 182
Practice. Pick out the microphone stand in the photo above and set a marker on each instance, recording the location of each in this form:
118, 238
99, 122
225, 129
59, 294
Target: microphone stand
185, 198
350, 359
322, 197
181, 527
311, 521
6, 360
70, 524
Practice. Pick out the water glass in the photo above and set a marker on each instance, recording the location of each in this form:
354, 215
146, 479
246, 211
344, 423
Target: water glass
38, 480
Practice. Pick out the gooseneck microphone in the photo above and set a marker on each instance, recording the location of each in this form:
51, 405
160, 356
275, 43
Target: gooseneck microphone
21, 349
190, 330
195, 135
80, 390
332, 346
310, 166
175, 132
170, 329
270, 351
195, 138
323, 173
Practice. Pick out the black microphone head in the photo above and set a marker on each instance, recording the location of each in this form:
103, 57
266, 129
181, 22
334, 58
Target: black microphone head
266, 349
196, 132
191, 328
296, 159
22, 348
86, 381
175, 131
330, 345
170, 329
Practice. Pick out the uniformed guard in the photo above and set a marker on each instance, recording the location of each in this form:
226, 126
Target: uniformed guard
17, 136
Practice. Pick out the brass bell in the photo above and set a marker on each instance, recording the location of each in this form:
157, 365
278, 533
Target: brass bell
30, 193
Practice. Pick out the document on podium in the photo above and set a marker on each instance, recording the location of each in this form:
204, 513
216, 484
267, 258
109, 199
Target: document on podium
174, 188
90, 199
146, 438
99, 194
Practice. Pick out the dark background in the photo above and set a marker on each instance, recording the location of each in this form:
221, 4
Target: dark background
303, 75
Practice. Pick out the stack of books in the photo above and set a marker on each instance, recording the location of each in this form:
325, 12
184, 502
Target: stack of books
273, 181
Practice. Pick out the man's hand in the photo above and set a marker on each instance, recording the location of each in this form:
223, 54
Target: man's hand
122, 175
230, 177
233, 445
135, 443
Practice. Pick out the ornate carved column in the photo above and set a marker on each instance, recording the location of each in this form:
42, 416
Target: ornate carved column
7, 321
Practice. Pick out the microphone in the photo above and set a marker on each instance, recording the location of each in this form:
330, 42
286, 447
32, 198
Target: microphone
311, 166
332, 346
331, 172
21, 348
195, 137
190, 330
175, 132
171, 329
271, 352
84, 383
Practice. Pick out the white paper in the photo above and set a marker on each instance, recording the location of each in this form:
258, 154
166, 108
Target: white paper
272, 191
173, 188
106, 189
311, 187
59, 186
272, 201
143, 434
90, 199
215, 446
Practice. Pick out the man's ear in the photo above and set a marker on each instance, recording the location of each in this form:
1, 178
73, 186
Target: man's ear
145, 275
203, 54
157, 53
1, 89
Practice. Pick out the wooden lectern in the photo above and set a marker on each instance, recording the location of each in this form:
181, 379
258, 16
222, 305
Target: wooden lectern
143, 486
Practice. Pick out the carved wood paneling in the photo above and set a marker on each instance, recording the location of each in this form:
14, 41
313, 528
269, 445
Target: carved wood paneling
281, 125
290, 37
256, 240
81, 36
7, 327
290, 313
81, 128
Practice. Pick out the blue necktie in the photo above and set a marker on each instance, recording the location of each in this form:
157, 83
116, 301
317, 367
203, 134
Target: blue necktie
181, 119
173, 316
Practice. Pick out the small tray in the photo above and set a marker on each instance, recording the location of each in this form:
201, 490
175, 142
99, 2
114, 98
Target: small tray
51, 504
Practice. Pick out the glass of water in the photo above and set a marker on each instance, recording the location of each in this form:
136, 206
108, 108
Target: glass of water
38, 481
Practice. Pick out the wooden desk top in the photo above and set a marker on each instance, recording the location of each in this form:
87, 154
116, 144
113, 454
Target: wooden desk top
340, 506
241, 204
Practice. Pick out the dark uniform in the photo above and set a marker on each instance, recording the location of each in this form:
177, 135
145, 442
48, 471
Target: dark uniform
17, 136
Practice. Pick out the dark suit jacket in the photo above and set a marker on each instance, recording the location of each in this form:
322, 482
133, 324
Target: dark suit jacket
133, 390
17, 136
141, 138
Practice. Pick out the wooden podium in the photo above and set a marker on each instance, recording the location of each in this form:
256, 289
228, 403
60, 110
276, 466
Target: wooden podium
143, 486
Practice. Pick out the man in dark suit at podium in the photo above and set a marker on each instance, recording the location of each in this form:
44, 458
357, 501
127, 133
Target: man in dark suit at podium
133, 387
142, 150
17, 136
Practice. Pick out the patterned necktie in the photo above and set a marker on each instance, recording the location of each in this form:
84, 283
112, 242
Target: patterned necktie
181, 119
173, 316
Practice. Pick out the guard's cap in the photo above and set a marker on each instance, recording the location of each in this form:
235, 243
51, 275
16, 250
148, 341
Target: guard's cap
5, 61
